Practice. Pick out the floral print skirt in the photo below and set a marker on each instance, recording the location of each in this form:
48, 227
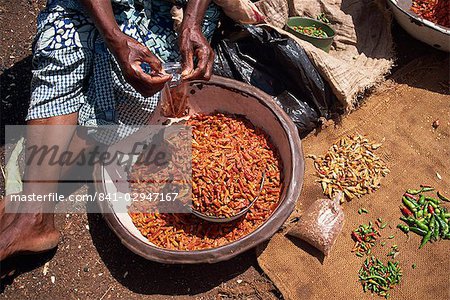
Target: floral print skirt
73, 71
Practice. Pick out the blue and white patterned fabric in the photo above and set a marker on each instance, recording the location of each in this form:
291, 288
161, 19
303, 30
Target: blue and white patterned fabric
73, 71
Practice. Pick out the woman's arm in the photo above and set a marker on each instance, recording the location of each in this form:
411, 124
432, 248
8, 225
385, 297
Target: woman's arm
130, 54
193, 43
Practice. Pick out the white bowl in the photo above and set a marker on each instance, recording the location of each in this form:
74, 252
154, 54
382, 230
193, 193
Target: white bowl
434, 35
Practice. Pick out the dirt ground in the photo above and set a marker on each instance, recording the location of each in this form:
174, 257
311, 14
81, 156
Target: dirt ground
90, 262
399, 116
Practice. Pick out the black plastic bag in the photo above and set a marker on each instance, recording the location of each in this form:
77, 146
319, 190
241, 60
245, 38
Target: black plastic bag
277, 65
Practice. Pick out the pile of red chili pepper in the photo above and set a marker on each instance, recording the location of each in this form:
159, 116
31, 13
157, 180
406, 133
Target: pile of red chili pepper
424, 215
223, 146
436, 11
229, 157
379, 278
365, 237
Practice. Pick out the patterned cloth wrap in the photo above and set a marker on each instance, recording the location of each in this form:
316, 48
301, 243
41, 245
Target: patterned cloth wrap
73, 71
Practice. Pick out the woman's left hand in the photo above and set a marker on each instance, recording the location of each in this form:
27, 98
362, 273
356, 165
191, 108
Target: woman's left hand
192, 44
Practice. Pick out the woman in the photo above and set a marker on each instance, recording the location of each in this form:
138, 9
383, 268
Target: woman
87, 62
88, 55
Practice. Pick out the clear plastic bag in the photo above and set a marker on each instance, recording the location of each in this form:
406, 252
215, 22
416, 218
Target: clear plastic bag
321, 224
174, 95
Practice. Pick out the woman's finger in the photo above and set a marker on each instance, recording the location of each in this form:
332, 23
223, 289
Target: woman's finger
187, 60
209, 66
148, 85
153, 61
203, 59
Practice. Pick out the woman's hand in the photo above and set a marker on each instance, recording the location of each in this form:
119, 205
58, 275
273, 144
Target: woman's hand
130, 54
194, 44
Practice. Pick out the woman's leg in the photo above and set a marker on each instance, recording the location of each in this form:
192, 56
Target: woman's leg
34, 231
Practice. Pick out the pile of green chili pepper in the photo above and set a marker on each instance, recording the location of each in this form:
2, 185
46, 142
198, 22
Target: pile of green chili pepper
311, 31
379, 278
364, 237
424, 215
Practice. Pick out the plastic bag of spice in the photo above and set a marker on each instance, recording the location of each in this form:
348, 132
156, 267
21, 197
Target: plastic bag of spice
174, 95
321, 224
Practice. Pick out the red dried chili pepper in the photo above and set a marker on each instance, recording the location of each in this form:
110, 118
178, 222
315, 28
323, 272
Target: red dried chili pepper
217, 176
356, 237
410, 196
435, 11
406, 212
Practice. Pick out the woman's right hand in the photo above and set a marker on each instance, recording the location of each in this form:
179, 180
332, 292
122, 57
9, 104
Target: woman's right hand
130, 54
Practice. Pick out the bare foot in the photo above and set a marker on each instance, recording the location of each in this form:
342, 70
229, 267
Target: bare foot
26, 233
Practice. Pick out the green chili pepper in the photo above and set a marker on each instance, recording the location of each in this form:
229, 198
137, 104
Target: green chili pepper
444, 226
434, 200
431, 224
413, 266
413, 192
421, 225
403, 228
425, 209
442, 197
375, 277
425, 239
427, 189
436, 230
418, 223
412, 207
408, 220
433, 204
417, 230
419, 214
421, 199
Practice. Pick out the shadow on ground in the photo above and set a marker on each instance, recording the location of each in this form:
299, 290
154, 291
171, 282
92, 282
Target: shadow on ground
14, 266
150, 278
415, 60
15, 94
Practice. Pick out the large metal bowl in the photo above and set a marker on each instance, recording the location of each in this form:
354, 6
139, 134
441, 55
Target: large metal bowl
225, 95
421, 29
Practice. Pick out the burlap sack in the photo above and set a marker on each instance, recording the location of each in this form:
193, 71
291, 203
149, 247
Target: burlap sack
362, 52
275, 11
401, 118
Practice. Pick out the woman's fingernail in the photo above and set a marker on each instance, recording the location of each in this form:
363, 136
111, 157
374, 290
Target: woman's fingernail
186, 72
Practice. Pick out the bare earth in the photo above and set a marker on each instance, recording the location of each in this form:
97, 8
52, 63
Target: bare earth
90, 262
